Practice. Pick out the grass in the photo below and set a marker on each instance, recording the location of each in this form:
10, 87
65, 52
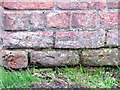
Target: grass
16, 79
89, 77
93, 79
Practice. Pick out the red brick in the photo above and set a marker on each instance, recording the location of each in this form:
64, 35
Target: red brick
37, 21
79, 39
100, 57
16, 20
113, 4
55, 58
84, 20
108, 20
28, 40
58, 20
81, 4
15, 59
113, 38
41, 4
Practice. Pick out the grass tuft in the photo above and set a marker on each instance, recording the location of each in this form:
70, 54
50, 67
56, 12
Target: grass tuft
16, 79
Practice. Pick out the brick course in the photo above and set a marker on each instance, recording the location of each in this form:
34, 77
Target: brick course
80, 39
29, 40
81, 4
21, 5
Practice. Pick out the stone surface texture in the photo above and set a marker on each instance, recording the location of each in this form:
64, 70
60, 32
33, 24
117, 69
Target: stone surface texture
55, 58
28, 40
79, 39
15, 59
101, 57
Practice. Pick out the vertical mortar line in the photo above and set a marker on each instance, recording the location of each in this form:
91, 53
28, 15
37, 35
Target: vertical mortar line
97, 20
107, 5
54, 5
29, 20
105, 43
106, 31
45, 20
54, 38
29, 58
71, 21
80, 56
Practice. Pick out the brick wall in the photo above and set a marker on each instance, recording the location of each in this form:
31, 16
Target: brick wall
49, 33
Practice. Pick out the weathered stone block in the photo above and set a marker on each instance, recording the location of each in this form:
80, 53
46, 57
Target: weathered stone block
113, 4
55, 58
16, 20
108, 20
84, 19
58, 20
100, 57
37, 21
79, 39
15, 59
113, 38
81, 4
29, 4
28, 40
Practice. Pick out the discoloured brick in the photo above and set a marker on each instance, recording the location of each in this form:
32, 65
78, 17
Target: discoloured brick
108, 19
84, 19
58, 20
39, 4
113, 38
55, 58
15, 59
29, 40
81, 4
79, 39
100, 57
16, 20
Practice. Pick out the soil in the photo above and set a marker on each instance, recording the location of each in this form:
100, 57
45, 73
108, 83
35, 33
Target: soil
54, 81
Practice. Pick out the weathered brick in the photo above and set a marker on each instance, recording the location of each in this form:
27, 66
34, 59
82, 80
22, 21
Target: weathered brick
113, 4
113, 38
58, 20
15, 59
16, 20
28, 4
28, 40
100, 57
37, 21
84, 19
55, 58
79, 39
108, 20
81, 4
